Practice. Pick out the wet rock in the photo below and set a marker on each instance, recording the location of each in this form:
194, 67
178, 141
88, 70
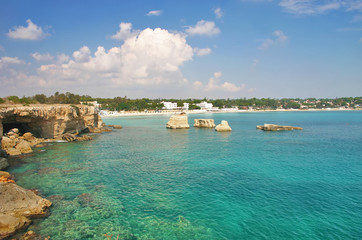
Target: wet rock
178, 121
273, 127
3, 163
24, 147
28, 136
29, 235
223, 127
5, 174
16, 206
204, 123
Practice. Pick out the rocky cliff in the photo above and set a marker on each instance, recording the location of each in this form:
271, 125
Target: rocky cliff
49, 121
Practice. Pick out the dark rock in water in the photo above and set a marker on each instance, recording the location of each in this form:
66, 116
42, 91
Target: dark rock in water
85, 198
56, 197
3, 163
273, 127
47, 170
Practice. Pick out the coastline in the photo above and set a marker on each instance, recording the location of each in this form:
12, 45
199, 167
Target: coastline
170, 112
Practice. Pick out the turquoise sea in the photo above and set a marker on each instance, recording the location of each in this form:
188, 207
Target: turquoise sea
148, 182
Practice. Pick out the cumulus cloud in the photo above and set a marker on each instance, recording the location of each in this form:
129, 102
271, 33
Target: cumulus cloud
5, 61
42, 57
151, 58
218, 13
31, 32
125, 31
213, 85
62, 58
207, 28
278, 37
154, 13
202, 51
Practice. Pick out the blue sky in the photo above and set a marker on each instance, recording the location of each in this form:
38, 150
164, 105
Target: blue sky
182, 49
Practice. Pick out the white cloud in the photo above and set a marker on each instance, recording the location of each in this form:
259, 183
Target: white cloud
83, 55
214, 86
42, 57
218, 13
62, 58
4, 61
31, 32
311, 7
153, 58
125, 31
202, 51
278, 37
207, 28
154, 13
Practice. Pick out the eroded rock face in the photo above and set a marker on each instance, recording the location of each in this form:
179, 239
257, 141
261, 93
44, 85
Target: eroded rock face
178, 121
50, 121
17, 205
204, 123
223, 127
273, 127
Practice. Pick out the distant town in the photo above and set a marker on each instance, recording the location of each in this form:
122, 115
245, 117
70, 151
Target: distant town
119, 104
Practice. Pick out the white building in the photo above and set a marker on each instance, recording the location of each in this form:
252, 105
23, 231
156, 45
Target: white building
169, 105
205, 105
186, 106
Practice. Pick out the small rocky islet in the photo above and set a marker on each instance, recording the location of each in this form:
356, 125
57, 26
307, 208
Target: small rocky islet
180, 121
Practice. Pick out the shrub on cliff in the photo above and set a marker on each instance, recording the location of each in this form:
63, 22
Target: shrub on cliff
2, 100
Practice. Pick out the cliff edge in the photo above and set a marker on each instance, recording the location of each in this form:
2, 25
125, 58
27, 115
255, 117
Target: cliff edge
49, 121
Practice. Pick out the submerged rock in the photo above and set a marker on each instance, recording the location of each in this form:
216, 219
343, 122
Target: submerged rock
204, 123
178, 121
17, 205
3, 163
223, 127
273, 127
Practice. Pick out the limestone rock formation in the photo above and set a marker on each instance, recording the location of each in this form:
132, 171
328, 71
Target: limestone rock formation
3, 163
178, 121
204, 123
223, 127
17, 205
48, 121
273, 127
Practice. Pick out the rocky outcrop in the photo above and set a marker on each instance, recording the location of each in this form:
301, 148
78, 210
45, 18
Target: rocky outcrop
178, 121
223, 127
49, 121
204, 123
273, 127
17, 206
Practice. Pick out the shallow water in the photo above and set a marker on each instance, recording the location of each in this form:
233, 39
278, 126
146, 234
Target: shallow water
148, 182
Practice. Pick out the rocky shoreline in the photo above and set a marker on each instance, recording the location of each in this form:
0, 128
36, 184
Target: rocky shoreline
24, 128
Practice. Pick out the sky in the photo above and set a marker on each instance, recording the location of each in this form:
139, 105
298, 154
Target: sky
182, 49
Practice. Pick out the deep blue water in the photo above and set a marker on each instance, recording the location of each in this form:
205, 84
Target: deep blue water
148, 182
